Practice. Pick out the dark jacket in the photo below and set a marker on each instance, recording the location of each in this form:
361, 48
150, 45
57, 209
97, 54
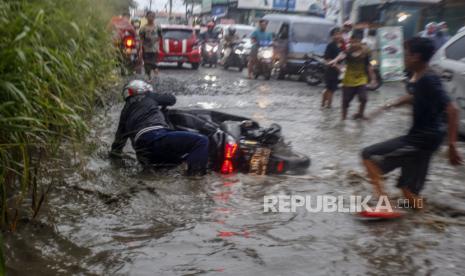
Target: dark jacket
209, 35
140, 112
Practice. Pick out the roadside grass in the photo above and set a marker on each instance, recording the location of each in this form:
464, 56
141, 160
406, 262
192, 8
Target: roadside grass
56, 59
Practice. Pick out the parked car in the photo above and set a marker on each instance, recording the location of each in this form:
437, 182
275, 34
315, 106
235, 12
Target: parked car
305, 34
179, 44
449, 63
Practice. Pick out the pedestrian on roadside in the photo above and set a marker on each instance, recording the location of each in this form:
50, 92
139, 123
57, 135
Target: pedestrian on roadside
429, 31
150, 35
357, 75
431, 108
333, 49
442, 34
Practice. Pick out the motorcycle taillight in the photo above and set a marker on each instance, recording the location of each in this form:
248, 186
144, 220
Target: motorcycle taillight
280, 167
129, 42
230, 150
227, 167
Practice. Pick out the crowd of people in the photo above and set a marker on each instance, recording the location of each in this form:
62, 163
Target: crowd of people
434, 114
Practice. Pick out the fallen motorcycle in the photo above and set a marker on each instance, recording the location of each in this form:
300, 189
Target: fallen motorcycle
239, 144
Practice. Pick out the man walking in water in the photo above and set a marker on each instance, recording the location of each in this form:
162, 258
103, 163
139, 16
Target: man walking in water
332, 71
431, 109
150, 35
359, 73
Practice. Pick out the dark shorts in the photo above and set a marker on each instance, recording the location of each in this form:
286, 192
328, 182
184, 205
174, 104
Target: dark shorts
332, 81
348, 94
397, 153
150, 62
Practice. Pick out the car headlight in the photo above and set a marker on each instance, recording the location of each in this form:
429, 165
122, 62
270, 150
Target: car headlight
215, 48
238, 52
266, 54
373, 62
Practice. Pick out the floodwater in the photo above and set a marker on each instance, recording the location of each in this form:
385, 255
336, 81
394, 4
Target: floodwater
115, 219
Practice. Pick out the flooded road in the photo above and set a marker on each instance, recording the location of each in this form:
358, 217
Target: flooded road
115, 219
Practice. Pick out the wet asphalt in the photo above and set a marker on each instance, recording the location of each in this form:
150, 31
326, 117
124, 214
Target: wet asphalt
115, 219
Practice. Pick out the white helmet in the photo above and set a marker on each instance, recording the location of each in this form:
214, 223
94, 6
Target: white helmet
136, 87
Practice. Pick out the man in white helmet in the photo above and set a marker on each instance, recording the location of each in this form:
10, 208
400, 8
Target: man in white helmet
145, 125
229, 39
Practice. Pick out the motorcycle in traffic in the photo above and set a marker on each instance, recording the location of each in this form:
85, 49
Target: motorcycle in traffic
129, 54
235, 56
264, 64
210, 52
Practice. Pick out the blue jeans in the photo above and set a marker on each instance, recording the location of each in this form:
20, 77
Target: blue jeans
165, 146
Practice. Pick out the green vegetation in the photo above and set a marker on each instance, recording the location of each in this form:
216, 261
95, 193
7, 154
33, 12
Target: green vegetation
2, 260
55, 58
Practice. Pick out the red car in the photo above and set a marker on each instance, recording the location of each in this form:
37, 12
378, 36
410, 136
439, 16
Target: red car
179, 44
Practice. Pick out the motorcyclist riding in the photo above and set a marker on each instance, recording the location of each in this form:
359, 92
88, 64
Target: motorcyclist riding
260, 38
228, 42
145, 125
135, 22
210, 41
210, 34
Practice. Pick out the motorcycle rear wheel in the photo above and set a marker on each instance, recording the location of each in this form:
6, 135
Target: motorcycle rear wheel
311, 78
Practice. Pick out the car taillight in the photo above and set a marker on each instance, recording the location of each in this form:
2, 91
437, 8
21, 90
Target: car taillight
230, 150
129, 42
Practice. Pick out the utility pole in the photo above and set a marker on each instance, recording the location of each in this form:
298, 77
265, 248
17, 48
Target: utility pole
171, 8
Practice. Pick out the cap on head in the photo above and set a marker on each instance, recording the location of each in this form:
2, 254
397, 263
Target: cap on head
136, 87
